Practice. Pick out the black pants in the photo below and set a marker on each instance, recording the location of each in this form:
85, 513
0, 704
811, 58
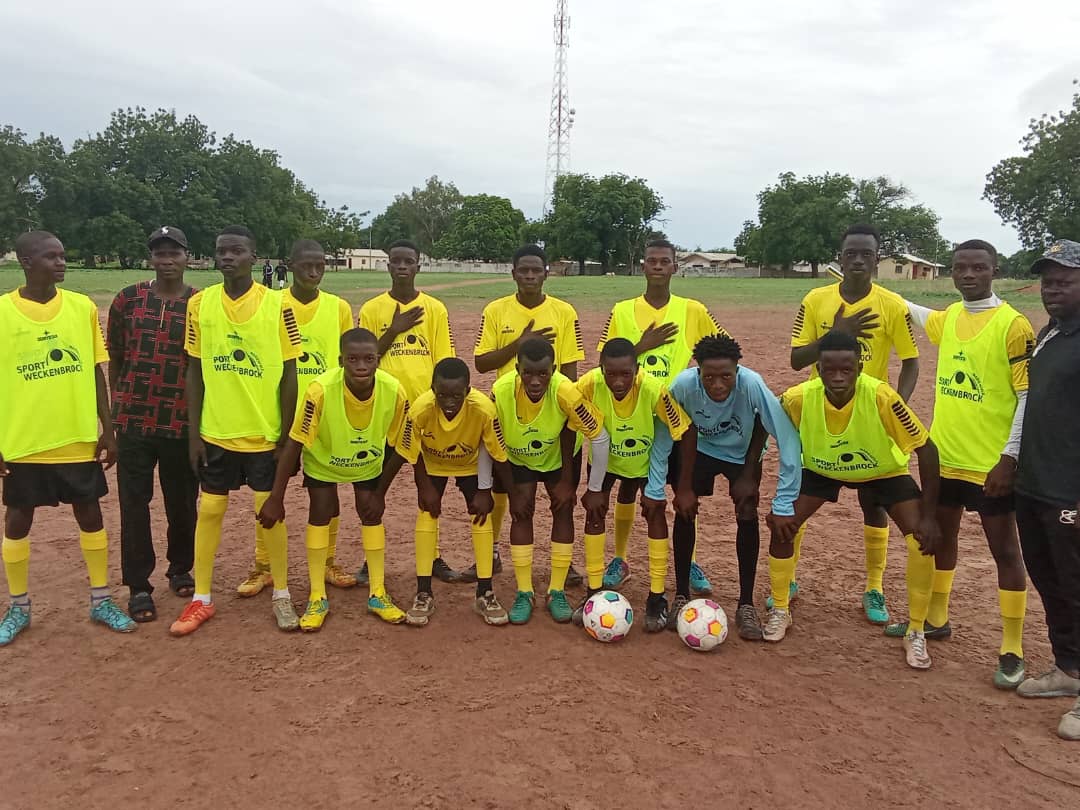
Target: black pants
179, 488
1050, 540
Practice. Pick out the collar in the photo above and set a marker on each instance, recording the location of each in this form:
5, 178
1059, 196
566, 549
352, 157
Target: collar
1068, 326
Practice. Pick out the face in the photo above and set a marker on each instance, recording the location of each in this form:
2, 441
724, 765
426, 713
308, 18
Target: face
1061, 291
47, 264
168, 259
450, 395
659, 264
403, 264
308, 268
530, 274
839, 370
234, 255
973, 272
859, 255
535, 376
619, 374
717, 376
359, 359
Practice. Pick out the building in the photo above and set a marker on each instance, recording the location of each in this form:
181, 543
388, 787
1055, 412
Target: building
363, 259
907, 267
704, 263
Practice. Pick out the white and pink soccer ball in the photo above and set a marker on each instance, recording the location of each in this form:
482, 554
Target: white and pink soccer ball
608, 616
702, 625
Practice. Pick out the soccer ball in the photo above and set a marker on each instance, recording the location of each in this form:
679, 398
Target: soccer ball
608, 616
702, 625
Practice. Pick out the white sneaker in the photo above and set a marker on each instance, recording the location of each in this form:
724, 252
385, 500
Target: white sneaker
777, 622
1055, 682
1069, 727
915, 649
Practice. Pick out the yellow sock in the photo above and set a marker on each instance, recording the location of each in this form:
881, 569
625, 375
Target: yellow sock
317, 542
16, 555
781, 572
797, 553
624, 524
427, 536
498, 514
594, 559
940, 588
262, 556
657, 564
277, 547
562, 554
373, 538
522, 558
693, 554
95, 551
876, 543
1013, 607
483, 543
207, 538
331, 550
920, 578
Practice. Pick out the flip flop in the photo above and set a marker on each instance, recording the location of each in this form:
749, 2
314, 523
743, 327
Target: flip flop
182, 585
141, 607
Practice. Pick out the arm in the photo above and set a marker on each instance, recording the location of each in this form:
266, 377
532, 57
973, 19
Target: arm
287, 396
106, 445
114, 339
659, 459
928, 532
748, 485
685, 501
595, 500
803, 356
568, 370
777, 424
497, 358
999, 481
563, 493
273, 510
919, 315
427, 494
193, 380
401, 323
909, 375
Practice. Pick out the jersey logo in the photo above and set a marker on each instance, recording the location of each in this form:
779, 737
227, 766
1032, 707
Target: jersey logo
410, 345
964, 385
960, 357
311, 362
848, 461
241, 362
1068, 517
732, 425
56, 361
657, 365
631, 448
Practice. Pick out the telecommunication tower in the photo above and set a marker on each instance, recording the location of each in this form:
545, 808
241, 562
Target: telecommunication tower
562, 114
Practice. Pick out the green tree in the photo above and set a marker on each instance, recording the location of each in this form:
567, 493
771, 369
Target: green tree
339, 229
429, 212
905, 228
22, 164
484, 228
390, 226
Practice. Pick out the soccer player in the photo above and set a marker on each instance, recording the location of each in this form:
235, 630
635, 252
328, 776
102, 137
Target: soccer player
322, 319
241, 387
414, 334
349, 426
282, 273
541, 413
458, 435
632, 404
732, 411
980, 391
268, 274
147, 366
664, 330
857, 432
54, 396
879, 320
506, 324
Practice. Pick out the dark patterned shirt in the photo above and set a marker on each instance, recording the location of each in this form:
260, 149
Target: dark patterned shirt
146, 334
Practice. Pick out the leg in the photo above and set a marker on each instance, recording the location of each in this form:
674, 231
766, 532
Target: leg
949, 518
919, 576
595, 540
322, 507
782, 558
16, 557
135, 484
95, 549
1000, 529
179, 491
876, 546
373, 539
562, 554
522, 510
657, 616
618, 571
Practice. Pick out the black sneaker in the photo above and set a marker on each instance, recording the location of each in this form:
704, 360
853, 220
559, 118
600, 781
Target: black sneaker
573, 577
442, 571
469, 574
746, 619
656, 613
578, 616
676, 608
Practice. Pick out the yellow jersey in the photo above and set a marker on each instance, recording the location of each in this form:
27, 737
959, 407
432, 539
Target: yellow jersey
699, 323
451, 447
504, 319
320, 347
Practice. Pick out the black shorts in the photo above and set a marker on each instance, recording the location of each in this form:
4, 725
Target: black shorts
32, 485
524, 475
706, 468
368, 486
971, 497
885, 492
611, 478
468, 484
228, 470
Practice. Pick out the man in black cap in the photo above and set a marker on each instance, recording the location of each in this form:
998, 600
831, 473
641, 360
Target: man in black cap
1048, 477
146, 375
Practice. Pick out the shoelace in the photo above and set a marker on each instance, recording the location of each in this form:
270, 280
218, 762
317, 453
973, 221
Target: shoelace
112, 614
918, 645
748, 613
775, 620
876, 600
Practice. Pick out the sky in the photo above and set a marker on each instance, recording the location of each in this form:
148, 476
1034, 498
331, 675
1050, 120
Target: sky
709, 101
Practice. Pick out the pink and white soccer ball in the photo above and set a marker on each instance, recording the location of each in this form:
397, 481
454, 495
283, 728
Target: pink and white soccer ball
702, 625
608, 616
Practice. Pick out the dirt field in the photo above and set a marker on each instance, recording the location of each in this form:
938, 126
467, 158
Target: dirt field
463, 715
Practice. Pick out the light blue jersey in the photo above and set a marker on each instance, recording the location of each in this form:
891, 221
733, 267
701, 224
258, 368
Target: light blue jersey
724, 430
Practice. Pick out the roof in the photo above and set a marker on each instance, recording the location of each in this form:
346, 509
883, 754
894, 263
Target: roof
712, 257
911, 257
363, 253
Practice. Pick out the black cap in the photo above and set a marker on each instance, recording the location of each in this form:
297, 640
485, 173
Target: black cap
1063, 252
170, 233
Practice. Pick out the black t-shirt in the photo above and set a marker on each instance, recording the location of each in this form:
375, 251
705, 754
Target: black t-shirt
282, 274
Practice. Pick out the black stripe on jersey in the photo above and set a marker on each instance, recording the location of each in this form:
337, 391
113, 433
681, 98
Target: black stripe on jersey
406, 435
586, 418
450, 334
910, 328
607, 326
1029, 347
498, 431
290, 326
309, 414
719, 329
579, 341
191, 333
800, 319
479, 332
903, 415
672, 413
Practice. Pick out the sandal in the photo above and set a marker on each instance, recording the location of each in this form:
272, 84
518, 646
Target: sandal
141, 607
182, 585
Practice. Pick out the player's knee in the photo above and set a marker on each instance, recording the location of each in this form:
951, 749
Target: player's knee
88, 516
17, 522
747, 511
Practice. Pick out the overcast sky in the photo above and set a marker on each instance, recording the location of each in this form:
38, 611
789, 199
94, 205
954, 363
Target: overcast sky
709, 100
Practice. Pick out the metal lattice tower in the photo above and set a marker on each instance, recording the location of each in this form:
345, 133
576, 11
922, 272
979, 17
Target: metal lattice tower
562, 114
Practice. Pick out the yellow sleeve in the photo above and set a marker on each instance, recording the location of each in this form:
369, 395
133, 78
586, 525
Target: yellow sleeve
581, 416
901, 423
344, 316
408, 447
701, 324
306, 424
606, 335
571, 348
493, 436
935, 326
367, 319
290, 334
903, 334
585, 385
804, 331
101, 354
396, 432
192, 335
487, 338
791, 401
1020, 342
672, 414
443, 343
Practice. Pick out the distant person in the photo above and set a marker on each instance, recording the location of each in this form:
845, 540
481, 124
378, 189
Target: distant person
268, 274
282, 274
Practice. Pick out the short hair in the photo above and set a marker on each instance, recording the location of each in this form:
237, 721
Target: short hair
239, 230
862, 229
451, 368
404, 243
977, 244
839, 342
357, 335
306, 246
617, 347
530, 250
26, 243
660, 243
536, 350
715, 347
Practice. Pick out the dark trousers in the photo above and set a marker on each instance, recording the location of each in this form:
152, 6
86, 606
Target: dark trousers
1050, 540
179, 489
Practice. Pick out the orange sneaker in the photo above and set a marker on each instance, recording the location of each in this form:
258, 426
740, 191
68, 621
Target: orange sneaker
192, 618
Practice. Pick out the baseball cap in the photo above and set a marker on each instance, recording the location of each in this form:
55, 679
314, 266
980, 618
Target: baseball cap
170, 233
1064, 252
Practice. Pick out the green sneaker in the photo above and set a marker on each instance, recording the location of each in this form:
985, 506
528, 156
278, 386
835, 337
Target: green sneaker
873, 603
899, 630
14, 622
521, 610
1010, 671
108, 613
793, 592
559, 607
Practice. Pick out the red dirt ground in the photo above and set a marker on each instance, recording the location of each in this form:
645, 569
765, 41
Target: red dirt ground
463, 715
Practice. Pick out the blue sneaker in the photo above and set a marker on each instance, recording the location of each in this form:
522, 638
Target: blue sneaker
617, 574
14, 622
699, 583
108, 613
793, 591
873, 603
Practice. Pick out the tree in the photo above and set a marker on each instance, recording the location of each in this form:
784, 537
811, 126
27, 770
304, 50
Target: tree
21, 165
484, 228
339, 229
1039, 192
904, 228
390, 226
429, 212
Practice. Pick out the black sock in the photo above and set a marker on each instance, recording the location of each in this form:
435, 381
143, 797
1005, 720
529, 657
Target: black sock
423, 584
483, 586
747, 546
682, 541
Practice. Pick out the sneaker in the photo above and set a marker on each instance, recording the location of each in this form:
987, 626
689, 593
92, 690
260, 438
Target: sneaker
673, 614
559, 607
656, 613
108, 613
699, 583
1069, 727
14, 622
1052, 683
915, 650
1010, 671
490, 609
578, 616
900, 629
422, 608
442, 571
617, 574
793, 592
383, 606
285, 613
574, 577
339, 577
469, 574
777, 622
746, 619
521, 610
193, 617
314, 616
873, 604
363, 579
256, 582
